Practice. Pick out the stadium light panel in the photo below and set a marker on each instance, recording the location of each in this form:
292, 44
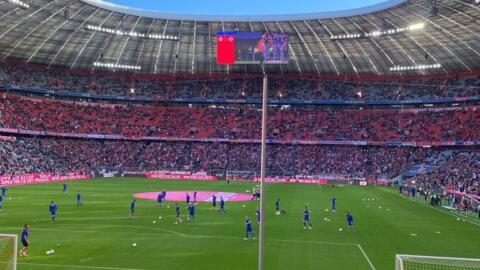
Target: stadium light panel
116, 66
413, 27
19, 3
130, 33
416, 67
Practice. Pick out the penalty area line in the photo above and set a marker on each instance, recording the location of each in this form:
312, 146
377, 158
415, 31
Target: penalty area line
77, 266
366, 257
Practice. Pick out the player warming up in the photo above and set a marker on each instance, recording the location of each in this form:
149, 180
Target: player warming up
159, 199
277, 207
334, 204
214, 201
79, 199
187, 198
306, 219
132, 209
248, 229
177, 212
191, 212
24, 239
1, 203
350, 221
53, 211
222, 206
64, 188
258, 215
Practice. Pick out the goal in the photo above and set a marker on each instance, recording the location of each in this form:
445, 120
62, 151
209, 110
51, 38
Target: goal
413, 262
8, 252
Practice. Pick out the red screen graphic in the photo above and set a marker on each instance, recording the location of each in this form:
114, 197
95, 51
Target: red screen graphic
225, 49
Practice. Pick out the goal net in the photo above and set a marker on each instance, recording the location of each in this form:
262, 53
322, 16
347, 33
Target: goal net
412, 262
8, 252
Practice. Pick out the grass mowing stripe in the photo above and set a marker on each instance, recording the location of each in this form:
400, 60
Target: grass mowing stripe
366, 257
469, 219
78, 266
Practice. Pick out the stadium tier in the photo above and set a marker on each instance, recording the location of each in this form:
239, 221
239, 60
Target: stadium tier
143, 139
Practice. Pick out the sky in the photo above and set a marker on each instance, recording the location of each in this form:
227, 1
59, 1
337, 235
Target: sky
245, 7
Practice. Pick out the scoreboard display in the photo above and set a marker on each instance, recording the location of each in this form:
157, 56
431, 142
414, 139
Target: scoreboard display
252, 48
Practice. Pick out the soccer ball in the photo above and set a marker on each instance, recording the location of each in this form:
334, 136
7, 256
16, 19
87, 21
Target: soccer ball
134, 244
154, 222
244, 206
340, 229
168, 206
159, 217
48, 252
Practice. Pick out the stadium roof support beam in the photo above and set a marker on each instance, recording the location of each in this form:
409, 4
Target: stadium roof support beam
341, 48
442, 29
393, 41
291, 50
210, 55
359, 46
30, 33
25, 18
453, 21
468, 4
420, 46
53, 33
88, 41
374, 42
306, 46
105, 44
142, 46
70, 35
180, 31
125, 44
322, 46
436, 42
193, 47
160, 47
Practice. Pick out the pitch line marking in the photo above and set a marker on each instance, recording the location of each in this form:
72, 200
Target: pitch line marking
442, 211
78, 266
366, 257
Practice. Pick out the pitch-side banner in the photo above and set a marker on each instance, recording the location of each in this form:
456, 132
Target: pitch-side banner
39, 178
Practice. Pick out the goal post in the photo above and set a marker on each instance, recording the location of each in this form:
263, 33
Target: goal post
8, 251
414, 262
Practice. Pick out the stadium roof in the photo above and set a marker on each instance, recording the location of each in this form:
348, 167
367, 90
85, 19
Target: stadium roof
54, 32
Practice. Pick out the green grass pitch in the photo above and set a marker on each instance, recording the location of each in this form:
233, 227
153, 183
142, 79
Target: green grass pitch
100, 236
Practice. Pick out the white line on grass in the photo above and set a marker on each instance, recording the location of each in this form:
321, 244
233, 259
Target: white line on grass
442, 211
78, 266
366, 257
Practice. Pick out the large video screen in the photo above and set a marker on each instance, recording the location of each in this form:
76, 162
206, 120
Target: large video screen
252, 48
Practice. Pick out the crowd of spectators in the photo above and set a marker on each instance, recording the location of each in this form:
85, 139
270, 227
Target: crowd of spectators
241, 122
454, 170
37, 155
247, 88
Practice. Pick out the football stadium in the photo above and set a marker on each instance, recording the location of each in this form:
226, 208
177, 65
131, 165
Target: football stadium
181, 135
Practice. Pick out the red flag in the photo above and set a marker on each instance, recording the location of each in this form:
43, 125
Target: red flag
225, 49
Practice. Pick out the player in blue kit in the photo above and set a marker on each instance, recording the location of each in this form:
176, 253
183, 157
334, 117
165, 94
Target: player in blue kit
65, 188
222, 206
214, 201
191, 212
132, 209
159, 199
187, 198
25, 243
177, 212
350, 221
306, 219
4, 191
277, 206
53, 211
258, 215
194, 197
79, 199
1, 203
334, 204
248, 229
